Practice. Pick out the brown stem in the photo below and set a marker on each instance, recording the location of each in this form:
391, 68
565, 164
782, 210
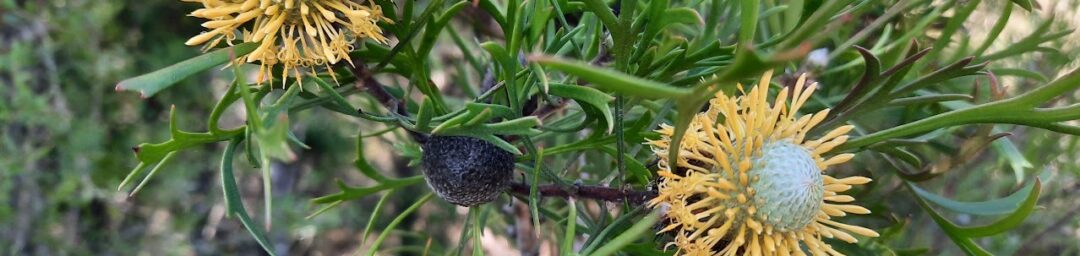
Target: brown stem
583, 191
366, 81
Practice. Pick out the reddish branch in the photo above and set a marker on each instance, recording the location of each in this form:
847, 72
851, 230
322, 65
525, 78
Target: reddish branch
582, 191
366, 81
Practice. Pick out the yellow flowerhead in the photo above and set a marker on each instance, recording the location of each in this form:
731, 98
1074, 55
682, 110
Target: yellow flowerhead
747, 181
294, 33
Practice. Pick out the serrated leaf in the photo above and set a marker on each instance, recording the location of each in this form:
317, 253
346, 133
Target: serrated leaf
151, 83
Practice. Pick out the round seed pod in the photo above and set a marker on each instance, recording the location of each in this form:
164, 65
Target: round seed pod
466, 171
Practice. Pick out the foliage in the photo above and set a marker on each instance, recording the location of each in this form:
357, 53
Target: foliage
938, 116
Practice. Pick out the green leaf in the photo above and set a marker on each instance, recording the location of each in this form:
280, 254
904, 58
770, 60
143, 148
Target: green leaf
962, 236
386, 231
813, 25
1012, 220
534, 190
1026, 4
604, 13
748, 20
432, 30
587, 97
682, 15
521, 126
362, 163
640, 228
153, 154
423, 117
538, 22
499, 54
335, 97
571, 224
164, 161
274, 140
749, 63
1019, 72
375, 215
902, 154
613, 80
472, 110
233, 201
1012, 155
1020, 109
595, 239
999, 206
639, 174
151, 83
1029, 43
931, 98
349, 193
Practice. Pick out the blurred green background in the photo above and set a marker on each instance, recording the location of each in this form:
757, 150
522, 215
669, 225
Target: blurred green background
66, 138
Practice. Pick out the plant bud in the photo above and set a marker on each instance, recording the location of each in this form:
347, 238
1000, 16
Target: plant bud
466, 171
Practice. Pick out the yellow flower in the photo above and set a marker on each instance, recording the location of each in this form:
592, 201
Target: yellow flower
294, 33
748, 181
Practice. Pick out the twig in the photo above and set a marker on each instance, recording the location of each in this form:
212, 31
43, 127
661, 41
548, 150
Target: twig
583, 191
366, 81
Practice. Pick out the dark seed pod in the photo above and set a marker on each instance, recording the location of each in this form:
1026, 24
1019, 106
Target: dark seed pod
466, 171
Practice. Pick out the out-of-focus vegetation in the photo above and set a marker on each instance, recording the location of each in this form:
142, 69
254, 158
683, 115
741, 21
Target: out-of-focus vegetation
66, 137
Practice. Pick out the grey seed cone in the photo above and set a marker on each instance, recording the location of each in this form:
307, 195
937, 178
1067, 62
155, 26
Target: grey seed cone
466, 171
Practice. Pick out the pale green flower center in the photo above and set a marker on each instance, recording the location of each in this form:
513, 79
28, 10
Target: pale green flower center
788, 186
